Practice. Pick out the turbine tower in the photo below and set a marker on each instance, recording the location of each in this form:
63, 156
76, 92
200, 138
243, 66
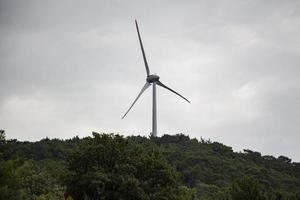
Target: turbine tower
153, 80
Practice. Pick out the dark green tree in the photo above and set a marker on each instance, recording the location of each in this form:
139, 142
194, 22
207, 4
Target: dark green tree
110, 167
2, 135
247, 188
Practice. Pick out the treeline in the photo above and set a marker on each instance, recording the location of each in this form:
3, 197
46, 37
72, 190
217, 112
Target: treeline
113, 167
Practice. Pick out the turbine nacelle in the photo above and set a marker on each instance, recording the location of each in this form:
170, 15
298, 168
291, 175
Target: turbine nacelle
152, 78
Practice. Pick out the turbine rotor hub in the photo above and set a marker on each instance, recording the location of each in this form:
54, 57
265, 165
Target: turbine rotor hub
152, 78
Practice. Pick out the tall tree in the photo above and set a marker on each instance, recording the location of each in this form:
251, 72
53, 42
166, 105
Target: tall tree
110, 167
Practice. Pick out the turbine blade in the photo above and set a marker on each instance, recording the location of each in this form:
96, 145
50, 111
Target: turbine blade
143, 52
164, 86
141, 92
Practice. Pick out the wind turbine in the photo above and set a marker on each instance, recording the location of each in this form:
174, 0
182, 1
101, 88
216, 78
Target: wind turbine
151, 79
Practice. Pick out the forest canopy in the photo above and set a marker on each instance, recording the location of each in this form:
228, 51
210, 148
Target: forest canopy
111, 166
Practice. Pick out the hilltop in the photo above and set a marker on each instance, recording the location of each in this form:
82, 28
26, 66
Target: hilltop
108, 166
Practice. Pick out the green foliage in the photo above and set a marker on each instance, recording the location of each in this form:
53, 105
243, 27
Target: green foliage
108, 166
10, 183
25, 180
112, 167
2, 136
247, 188
210, 166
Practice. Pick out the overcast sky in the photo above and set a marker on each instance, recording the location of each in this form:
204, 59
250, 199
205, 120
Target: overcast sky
72, 67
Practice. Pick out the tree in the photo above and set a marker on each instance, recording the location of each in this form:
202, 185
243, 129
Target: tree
21, 179
284, 159
2, 135
110, 167
10, 187
247, 188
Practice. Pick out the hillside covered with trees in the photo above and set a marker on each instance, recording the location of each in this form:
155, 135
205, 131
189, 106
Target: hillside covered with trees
113, 167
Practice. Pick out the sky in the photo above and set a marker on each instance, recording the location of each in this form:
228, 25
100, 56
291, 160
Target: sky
72, 67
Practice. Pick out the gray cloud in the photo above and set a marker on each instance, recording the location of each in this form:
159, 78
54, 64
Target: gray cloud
70, 68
